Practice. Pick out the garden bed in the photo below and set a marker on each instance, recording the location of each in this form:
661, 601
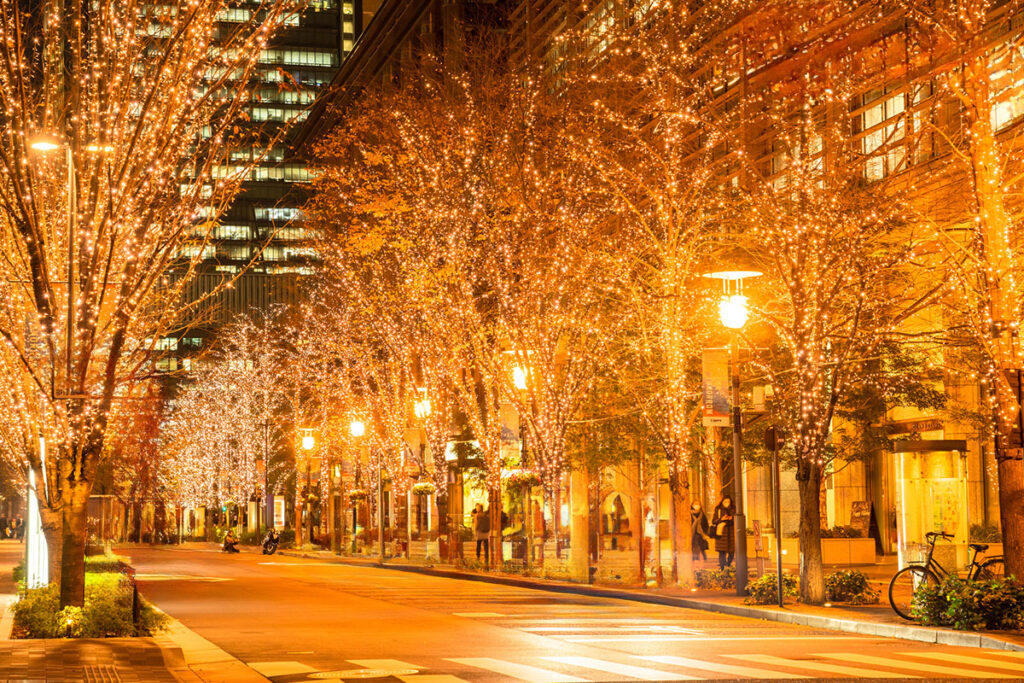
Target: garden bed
112, 607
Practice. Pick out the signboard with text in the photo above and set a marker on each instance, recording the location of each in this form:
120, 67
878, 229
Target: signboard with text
715, 372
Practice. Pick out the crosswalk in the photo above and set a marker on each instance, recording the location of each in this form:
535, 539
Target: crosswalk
899, 665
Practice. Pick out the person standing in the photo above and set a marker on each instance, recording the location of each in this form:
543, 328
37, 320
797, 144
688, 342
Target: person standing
725, 537
19, 528
481, 530
698, 532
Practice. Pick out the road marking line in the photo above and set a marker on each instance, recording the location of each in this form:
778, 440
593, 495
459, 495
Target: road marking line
730, 669
964, 659
384, 664
654, 628
630, 639
477, 615
523, 672
816, 666
641, 672
432, 678
271, 669
915, 666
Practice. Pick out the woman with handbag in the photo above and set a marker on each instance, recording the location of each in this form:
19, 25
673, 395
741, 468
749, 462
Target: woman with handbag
725, 538
698, 532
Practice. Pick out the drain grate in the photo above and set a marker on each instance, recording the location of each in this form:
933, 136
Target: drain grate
100, 673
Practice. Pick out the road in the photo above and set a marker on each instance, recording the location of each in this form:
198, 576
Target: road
305, 620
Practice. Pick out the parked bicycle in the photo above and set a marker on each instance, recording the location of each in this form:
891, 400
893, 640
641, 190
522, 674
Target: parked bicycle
930, 572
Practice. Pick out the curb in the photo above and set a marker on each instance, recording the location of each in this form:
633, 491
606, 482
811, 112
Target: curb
193, 659
7, 619
868, 628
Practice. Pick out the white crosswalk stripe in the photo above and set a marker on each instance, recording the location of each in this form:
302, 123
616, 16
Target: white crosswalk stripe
913, 666
731, 669
965, 659
523, 672
641, 672
818, 667
907, 664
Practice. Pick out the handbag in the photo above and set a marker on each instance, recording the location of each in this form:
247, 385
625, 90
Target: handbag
720, 529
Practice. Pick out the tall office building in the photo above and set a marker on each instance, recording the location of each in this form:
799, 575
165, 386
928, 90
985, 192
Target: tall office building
263, 228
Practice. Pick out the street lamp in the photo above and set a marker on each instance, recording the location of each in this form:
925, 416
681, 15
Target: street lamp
734, 312
44, 143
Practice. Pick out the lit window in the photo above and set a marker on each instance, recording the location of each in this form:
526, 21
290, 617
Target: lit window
882, 128
1006, 67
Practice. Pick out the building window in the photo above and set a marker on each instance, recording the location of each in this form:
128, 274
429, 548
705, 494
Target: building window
277, 213
1006, 66
882, 131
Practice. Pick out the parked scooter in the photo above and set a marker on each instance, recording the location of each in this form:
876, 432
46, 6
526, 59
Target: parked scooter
271, 541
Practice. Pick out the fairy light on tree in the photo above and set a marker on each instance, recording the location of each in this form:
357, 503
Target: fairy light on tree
143, 102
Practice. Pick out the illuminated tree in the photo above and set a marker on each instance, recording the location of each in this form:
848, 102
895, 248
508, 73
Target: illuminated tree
969, 54
142, 102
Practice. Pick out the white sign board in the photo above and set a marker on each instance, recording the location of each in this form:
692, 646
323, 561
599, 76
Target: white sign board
278, 512
37, 556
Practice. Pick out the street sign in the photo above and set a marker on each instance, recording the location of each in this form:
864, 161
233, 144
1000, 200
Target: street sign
715, 375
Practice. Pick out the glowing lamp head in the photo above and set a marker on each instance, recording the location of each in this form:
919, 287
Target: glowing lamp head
519, 378
308, 442
44, 143
733, 311
357, 428
422, 408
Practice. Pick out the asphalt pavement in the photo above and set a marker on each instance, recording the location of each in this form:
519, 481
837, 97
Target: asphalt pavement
294, 619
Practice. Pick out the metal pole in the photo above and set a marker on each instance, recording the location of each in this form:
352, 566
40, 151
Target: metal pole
380, 512
72, 229
309, 506
777, 511
739, 519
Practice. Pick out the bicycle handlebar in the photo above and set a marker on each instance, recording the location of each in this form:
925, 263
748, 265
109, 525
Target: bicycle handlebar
932, 535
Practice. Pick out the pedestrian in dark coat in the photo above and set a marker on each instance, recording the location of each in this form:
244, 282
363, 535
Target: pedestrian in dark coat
725, 537
699, 529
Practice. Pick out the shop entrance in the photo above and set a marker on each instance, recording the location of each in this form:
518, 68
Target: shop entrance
931, 495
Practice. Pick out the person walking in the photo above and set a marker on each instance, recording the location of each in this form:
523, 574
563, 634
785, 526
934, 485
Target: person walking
19, 528
725, 537
699, 529
481, 530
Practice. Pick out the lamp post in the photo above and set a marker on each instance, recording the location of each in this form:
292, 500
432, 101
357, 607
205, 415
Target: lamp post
43, 144
421, 409
733, 312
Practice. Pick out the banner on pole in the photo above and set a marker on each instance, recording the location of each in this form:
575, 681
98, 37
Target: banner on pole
715, 370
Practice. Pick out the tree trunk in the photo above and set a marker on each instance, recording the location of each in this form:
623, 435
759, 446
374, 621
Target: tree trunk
494, 501
682, 538
579, 526
812, 578
995, 224
75, 509
53, 531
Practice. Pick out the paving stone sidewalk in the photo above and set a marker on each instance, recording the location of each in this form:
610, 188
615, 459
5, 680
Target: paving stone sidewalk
106, 660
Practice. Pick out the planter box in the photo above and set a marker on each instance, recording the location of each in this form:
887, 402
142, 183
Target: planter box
834, 551
618, 567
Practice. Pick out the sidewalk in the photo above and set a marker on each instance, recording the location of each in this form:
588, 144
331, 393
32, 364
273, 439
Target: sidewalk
876, 620
177, 654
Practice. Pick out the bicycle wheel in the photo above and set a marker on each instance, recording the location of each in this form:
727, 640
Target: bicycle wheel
991, 570
903, 585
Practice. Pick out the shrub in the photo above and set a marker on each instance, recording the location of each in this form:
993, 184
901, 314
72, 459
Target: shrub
108, 562
850, 586
715, 579
842, 532
971, 605
765, 590
985, 534
287, 537
107, 612
19, 571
